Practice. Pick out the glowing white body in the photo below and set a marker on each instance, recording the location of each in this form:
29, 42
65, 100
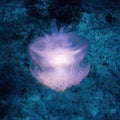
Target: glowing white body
60, 59
60, 62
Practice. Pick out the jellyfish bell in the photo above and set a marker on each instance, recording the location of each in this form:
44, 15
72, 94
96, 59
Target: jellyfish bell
60, 57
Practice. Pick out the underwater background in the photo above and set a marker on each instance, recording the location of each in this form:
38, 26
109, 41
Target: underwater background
97, 97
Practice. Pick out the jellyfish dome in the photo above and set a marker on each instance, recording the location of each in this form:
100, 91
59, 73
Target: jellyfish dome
59, 58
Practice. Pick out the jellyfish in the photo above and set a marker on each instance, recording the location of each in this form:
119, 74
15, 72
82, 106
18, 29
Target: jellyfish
59, 58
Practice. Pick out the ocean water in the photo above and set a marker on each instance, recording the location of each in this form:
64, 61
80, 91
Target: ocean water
96, 97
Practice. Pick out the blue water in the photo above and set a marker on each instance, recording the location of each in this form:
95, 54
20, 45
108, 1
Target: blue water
97, 97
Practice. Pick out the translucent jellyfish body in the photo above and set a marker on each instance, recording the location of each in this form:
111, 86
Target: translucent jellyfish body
59, 58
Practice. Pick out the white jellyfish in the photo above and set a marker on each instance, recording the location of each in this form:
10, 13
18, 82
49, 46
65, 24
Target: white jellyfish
59, 58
